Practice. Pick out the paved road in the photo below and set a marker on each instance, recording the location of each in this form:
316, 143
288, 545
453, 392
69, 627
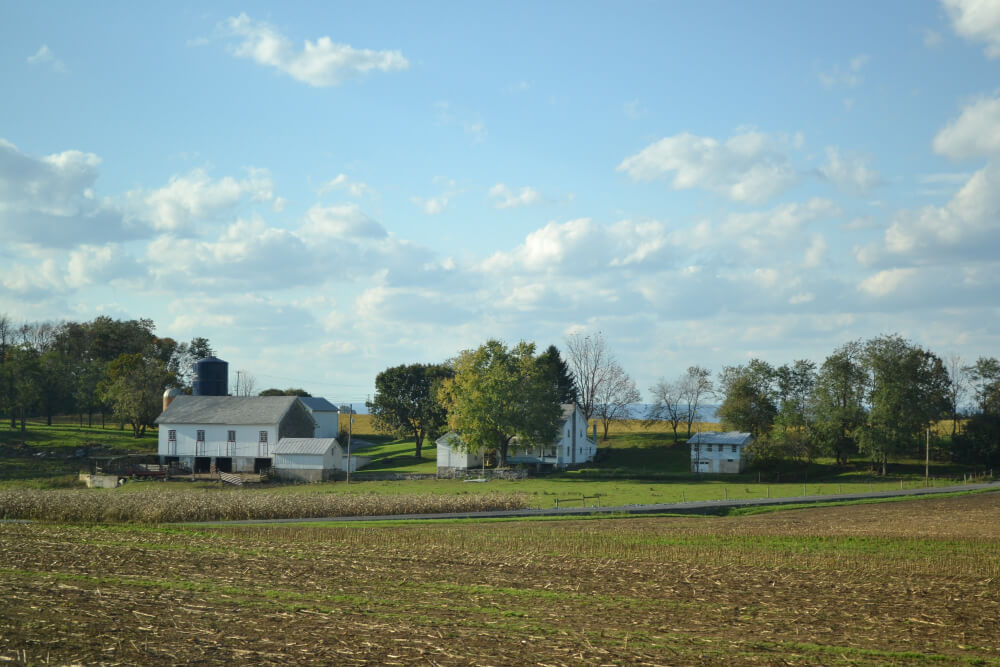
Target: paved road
698, 507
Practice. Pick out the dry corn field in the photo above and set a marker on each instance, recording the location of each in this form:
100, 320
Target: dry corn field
895, 583
175, 505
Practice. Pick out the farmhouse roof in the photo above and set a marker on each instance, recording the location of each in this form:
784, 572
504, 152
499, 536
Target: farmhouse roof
318, 404
717, 438
226, 410
316, 446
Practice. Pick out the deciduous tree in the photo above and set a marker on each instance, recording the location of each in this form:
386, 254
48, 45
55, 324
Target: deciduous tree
133, 386
498, 394
406, 402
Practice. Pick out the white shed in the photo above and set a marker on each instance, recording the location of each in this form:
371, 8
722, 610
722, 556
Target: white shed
312, 459
452, 455
715, 452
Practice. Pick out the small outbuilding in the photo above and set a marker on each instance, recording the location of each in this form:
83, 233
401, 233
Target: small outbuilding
312, 459
453, 457
715, 452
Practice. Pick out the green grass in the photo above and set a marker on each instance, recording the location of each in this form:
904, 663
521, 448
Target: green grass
398, 456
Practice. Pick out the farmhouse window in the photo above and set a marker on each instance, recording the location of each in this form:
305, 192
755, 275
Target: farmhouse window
201, 436
231, 437
172, 434
708, 448
734, 449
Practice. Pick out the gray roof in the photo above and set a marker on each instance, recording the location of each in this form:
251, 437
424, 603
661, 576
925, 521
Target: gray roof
318, 446
716, 438
318, 404
226, 410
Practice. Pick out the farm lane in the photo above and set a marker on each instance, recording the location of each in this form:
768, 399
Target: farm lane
694, 507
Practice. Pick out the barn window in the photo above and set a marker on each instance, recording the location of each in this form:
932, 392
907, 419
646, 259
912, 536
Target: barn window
231, 437
734, 449
263, 436
201, 436
172, 434
708, 448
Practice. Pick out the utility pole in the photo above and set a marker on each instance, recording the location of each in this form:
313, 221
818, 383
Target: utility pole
350, 429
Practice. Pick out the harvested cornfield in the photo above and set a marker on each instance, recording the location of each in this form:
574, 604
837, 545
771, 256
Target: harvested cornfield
176, 505
899, 583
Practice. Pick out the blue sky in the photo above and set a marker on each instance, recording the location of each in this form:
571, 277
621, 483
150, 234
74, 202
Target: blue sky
325, 190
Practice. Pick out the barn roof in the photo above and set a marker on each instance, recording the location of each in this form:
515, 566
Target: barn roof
226, 410
717, 438
318, 404
316, 446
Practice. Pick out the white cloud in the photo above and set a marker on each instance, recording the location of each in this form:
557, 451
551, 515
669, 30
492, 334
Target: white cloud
816, 252
932, 38
747, 167
195, 197
44, 56
967, 222
355, 189
975, 133
320, 63
976, 20
886, 282
50, 200
340, 222
848, 77
504, 198
850, 174
107, 264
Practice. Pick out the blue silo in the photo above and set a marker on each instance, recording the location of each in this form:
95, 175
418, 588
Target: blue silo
211, 377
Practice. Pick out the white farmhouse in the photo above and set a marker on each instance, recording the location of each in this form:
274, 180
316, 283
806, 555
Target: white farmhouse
571, 447
325, 414
714, 452
233, 433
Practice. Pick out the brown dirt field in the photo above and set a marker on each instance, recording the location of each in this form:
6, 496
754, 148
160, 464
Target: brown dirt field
892, 583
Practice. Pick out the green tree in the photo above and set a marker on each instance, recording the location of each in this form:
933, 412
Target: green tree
749, 397
133, 387
498, 394
559, 371
291, 391
979, 443
406, 402
836, 404
908, 389
24, 368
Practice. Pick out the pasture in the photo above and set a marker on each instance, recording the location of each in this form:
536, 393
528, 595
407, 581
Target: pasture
902, 583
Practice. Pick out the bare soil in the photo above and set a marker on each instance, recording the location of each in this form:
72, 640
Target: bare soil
893, 583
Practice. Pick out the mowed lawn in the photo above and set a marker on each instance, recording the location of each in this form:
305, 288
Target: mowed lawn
900, 583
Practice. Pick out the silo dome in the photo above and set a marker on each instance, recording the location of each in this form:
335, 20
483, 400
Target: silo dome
170, 394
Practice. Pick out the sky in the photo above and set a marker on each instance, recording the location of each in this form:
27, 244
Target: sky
325, 190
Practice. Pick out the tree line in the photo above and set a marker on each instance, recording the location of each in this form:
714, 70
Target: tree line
873, 397
104, 366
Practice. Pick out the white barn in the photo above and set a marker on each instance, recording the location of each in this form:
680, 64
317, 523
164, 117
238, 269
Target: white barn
325, 414
571, 447
715, 452
232, 433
